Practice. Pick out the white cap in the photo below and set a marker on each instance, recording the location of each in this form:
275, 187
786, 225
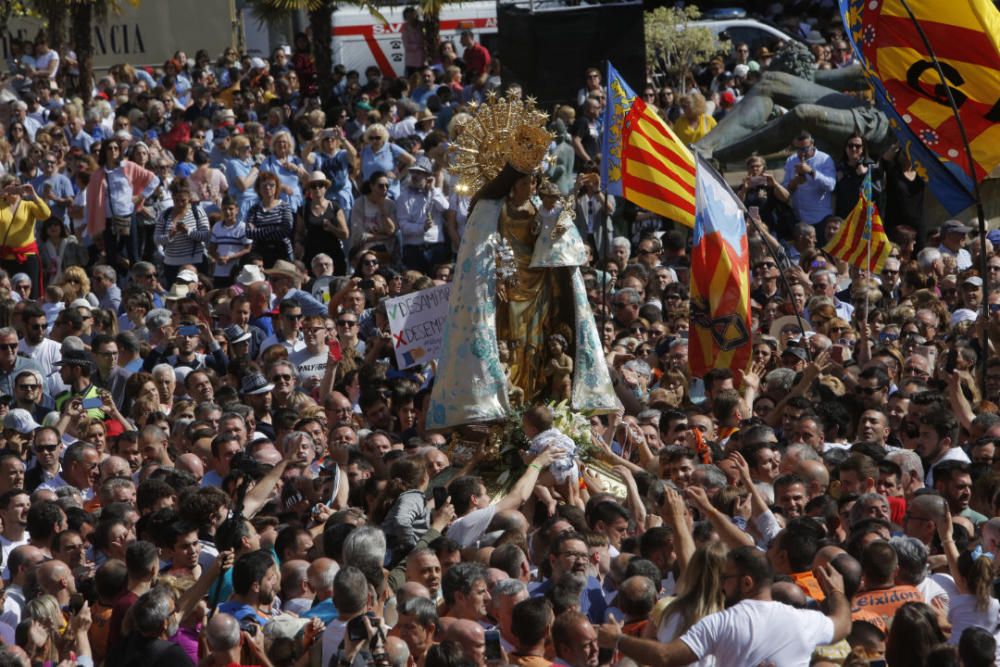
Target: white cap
963, 315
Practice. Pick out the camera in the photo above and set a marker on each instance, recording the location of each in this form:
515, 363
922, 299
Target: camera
356, 630
246, 464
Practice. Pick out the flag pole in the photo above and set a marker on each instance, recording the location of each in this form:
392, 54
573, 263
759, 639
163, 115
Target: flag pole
980, 213
703, 163
869, 225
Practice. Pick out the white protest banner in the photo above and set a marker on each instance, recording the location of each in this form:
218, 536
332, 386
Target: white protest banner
417, 324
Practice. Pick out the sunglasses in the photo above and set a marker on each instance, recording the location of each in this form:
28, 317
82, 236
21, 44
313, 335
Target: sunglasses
46, 448
346, 323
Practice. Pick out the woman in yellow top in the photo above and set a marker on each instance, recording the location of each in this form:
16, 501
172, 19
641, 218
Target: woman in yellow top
20, 209
693, 123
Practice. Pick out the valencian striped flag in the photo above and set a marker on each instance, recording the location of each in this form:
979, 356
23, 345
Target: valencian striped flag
862, 233
720, 278
965, 37
643, 161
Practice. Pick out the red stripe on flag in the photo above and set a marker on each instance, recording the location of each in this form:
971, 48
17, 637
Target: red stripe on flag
649, 189
643, 156
951, 42
669, 152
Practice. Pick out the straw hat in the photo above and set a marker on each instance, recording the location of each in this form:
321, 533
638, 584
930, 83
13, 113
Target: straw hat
319, 177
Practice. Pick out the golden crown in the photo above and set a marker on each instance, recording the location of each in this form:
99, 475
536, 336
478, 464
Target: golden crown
503, 130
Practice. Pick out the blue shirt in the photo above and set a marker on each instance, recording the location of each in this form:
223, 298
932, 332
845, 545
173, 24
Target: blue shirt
813, 199
592, 602
289, 179
325, 611
239, 611
240, 169
384, 160
310, 304
60, 186
337, 168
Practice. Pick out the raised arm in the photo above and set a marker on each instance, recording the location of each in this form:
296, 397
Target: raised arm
645, 651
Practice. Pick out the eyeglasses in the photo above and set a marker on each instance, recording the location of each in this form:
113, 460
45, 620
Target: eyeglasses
346, 323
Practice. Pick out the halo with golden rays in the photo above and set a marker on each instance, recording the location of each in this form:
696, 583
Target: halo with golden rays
502, 130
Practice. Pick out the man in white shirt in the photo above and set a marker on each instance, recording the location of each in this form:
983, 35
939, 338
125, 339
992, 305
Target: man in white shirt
953, 235
475, 507
938, 442
43, 351
287, 330
754, 629
80, 470
14, 506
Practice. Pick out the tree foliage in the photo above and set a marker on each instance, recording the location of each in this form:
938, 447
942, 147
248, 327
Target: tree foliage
673, 45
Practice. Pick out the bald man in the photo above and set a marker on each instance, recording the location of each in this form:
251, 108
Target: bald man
56, 579
295, 590
115, 466
320, 576
494, 576
397, 651
825, 555
191, 463
222, 633
22, 562
409, 590
816, 477
921, 514
471, 636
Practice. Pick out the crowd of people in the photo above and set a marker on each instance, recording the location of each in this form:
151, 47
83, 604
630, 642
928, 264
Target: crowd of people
211, 456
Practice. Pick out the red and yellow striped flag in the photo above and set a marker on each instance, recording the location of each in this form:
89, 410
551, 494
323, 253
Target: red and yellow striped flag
643, 160
862, 228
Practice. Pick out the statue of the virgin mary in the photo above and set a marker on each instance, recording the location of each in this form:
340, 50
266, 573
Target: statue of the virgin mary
499, 294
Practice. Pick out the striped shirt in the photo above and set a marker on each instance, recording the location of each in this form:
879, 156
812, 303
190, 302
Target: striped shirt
187, 248
274, 225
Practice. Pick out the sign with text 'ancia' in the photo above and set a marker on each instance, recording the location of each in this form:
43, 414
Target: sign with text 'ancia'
147, 34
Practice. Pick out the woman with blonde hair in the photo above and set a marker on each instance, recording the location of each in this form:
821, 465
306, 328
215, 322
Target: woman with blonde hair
699, 593
76, 285
46, 636
241, 173
379, 154
283, 163
694, 123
